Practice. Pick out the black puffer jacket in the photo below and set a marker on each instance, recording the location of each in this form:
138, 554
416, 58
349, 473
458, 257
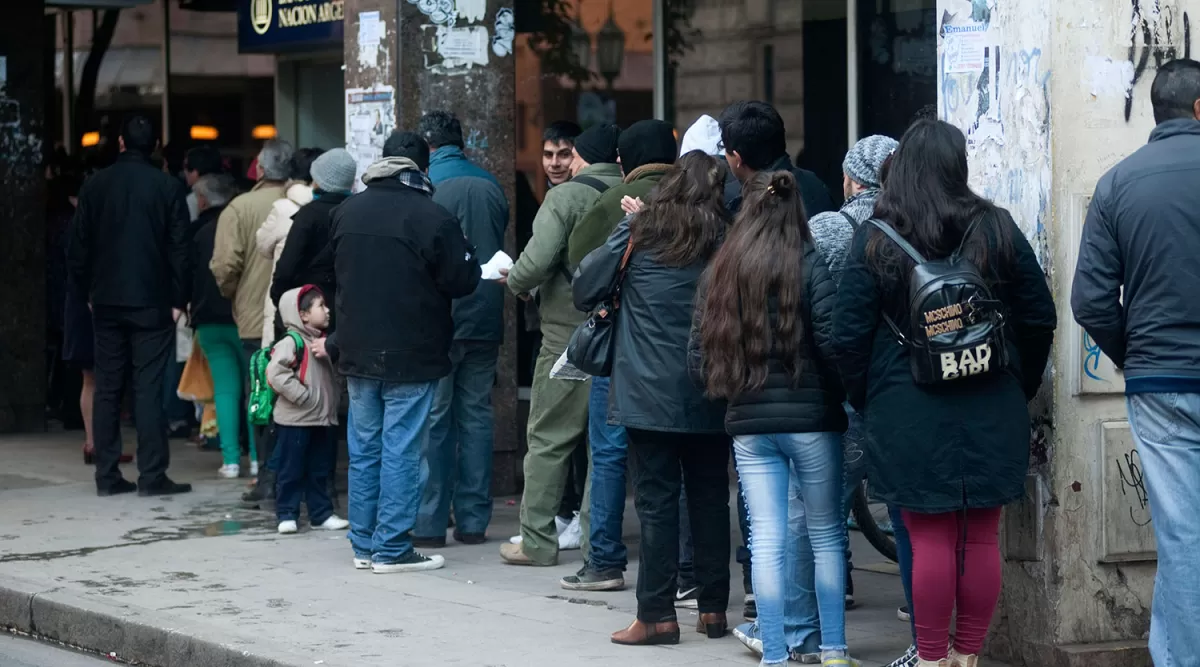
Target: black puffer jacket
207, 305
942, 448
307, 257
651, 388
811, 404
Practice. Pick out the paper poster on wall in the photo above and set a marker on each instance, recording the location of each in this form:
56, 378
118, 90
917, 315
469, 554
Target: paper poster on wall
964, 46
370, 118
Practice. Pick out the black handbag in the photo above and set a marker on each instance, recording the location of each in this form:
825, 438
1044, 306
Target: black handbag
591, 346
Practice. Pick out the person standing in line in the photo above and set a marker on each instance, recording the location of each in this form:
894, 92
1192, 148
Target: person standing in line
400, 261
763, 342
242, 274
456, 466
1135, 295
949, 456
646, 151
128, 253
754, 138
558, 408
211, 315
558, 146
197, 163
305, 412
271, 236
676, 435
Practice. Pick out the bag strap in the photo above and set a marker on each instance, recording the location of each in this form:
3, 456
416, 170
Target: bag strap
967, 234
592, 182
899, 240
850, 219
301, 357
616, 287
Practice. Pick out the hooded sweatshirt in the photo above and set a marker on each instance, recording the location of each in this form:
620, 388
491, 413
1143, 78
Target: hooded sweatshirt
270, 240
308, 395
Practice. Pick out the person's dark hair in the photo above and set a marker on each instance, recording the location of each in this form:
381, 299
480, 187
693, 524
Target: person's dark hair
1175, 90
885, 168
441, 128
309, 297
173, 155
684, 219
560, 131
928, 201
300, 166
138, 133
755, 131
759, 264
927, 112
204, 160
410, 145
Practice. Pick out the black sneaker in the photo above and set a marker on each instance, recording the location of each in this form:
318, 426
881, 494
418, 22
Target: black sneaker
429, 542
413, 562
750, 608
688, 598
264, 488
163, 487
116, 488
469, 538
589, 579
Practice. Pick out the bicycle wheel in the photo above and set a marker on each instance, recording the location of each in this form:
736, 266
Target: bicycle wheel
871, 516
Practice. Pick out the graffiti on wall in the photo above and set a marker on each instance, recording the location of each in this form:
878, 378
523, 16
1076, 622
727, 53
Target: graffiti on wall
1159, 34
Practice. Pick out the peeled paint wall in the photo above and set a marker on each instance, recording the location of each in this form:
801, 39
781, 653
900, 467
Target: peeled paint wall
1062, 98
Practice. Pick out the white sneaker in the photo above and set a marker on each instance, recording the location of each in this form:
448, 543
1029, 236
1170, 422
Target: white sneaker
362, 563
414, 562
254, 468
231, 471
572, 537
288, 528
515, 539
334, 522
561, 526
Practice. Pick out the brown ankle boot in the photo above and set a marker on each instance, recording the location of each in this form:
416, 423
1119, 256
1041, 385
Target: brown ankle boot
714, 625
647, 634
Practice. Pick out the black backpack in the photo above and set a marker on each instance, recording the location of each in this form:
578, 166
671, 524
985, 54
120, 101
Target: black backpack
956, 327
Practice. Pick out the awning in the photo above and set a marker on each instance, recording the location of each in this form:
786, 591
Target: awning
140, 68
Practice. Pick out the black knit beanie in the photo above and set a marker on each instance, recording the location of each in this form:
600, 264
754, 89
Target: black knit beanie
647, 142
598, 144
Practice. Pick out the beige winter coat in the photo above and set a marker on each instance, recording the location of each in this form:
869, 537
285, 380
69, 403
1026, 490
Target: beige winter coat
308, 393
242, 274
270, 239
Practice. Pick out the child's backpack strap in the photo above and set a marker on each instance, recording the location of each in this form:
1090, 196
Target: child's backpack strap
301, 361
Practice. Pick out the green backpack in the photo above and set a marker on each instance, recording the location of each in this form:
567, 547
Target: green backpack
262, 396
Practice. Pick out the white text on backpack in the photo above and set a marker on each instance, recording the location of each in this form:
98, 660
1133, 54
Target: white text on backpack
966, 363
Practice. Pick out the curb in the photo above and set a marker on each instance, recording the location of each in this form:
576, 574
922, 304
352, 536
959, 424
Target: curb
133, 634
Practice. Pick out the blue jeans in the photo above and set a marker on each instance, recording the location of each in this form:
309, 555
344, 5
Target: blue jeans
609, 449
456, 465
766, 464
304, 455
687, 563
389, 423
905, 561
1166, 428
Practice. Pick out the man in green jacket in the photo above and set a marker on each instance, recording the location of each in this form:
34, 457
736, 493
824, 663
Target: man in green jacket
558, 408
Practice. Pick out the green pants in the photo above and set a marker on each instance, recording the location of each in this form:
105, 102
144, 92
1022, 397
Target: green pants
558, 419
223, 349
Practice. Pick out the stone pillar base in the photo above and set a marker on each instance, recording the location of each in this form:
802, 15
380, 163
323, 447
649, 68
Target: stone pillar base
1099, 654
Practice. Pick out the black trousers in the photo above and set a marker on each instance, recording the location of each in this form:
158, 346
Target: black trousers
137, 340
660, 459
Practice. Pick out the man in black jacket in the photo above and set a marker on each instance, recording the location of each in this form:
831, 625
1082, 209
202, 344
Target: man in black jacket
400, 260
1142, 234
128, 253
755, 140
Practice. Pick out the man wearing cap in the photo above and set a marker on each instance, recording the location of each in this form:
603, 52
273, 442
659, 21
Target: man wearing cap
646, 151
558, 408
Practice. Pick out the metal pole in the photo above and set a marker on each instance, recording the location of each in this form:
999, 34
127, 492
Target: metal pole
659, 49
70, 141
851, 72
166, 66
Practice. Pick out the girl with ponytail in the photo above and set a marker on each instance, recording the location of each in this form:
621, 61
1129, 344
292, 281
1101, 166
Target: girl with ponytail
761, 342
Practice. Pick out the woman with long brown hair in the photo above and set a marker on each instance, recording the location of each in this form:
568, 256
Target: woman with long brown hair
762, 342
672, 427
952, 451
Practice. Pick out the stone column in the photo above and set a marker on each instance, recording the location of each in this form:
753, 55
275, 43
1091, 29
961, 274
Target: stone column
1057, 94
460, 60
22, 218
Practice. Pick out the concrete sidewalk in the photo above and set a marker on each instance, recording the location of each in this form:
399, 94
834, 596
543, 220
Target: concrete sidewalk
194, 580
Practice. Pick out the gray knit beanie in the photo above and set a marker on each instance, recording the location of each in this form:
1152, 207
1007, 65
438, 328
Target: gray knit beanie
866, 157
334, 171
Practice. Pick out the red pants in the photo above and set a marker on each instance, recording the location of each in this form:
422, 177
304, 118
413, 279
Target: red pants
939, 585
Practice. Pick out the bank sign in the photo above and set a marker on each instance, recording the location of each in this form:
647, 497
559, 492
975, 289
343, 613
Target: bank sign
275, 26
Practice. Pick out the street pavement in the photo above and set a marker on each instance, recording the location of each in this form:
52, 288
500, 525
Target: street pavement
207, 575
21, 652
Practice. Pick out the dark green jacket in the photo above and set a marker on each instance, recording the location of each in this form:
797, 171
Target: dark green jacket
599, 223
